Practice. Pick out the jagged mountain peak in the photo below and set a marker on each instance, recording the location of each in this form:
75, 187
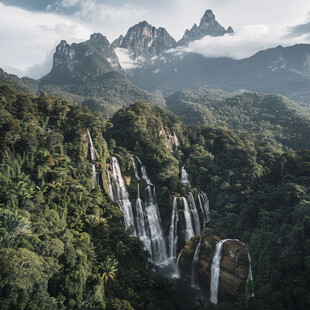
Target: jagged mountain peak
208, 26
208, 15
230, 30
97, 36
83, 61
145, 41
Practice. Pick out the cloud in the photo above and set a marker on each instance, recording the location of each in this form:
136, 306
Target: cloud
37, 71
69, 3
126, 62
302, 30
244, 43
29, 36
93, 11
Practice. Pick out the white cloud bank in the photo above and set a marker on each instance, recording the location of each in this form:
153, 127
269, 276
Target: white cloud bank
28, 37
247, 41
126, 62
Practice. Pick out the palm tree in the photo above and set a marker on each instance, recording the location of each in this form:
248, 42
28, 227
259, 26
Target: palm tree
109, 269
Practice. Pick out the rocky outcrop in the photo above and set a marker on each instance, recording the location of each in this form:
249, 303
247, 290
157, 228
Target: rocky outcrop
208, 26
234, 270
143, 41
83, 61
234, 264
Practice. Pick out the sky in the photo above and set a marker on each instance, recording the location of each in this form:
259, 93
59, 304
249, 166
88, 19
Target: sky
31, 29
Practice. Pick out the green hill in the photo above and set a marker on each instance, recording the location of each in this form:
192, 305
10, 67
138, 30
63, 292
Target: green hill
270, 117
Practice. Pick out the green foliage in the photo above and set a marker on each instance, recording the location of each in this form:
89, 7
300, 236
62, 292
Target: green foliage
62, 241
270, 117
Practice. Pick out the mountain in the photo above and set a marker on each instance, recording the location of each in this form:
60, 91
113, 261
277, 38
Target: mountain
208, 26
90, 73
82, 61
280, 70
143, 41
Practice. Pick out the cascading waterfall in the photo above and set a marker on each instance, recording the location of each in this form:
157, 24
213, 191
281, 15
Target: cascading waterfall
110, 187
141, 222
216, 269
173, 230
249, 287
155, 230
194, 279
94, 157
93, 152
204, 206
148, 220
185, 177
193, 208
140, 173
120, 194
189, 232
177, 264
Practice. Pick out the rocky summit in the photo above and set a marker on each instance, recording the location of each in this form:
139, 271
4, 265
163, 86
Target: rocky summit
82, 61
208, 26
145, 41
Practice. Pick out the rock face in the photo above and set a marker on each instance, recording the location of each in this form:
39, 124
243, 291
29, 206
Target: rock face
82, 61
144, 41
208, 26
234, 264
234, 270
171, 139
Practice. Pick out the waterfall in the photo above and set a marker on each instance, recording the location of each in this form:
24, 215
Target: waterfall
204, 206
148, 220
177, 264
216, 269
155, 230
93, 152
194, 280
120, 194
189, 232
249, 286
94, 157
185, 177
110, 187
140, 171
173, 230
193, 208
141, 222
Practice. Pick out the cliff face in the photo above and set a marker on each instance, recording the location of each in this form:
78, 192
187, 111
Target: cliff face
144, 41
234, 264
83, 61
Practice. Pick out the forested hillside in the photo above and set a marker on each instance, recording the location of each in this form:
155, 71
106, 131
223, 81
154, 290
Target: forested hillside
270, 117
63, 242
63, 245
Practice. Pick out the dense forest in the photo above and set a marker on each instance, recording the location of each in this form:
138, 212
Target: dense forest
63, 242
270, 117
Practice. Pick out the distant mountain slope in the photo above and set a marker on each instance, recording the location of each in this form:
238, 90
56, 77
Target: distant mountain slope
24, 84
268, 117
282, 70
107, 93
